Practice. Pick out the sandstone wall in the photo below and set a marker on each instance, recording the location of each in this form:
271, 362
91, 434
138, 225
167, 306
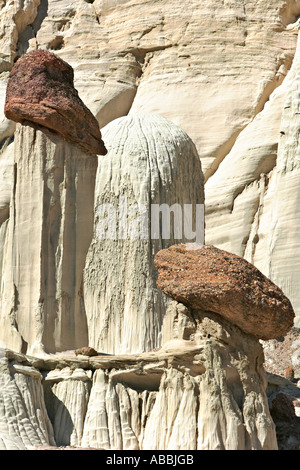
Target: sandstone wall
211, 68
252, 199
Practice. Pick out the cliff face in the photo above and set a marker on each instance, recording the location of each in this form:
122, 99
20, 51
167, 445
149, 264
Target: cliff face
216, 70
204, 97
254, 213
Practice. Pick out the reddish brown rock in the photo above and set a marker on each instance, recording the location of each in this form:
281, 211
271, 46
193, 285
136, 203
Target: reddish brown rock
86, 351
289, 373
41, 91
214, 280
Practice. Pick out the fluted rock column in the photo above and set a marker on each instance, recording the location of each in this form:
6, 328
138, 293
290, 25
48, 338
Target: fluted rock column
50, 229
151, 164
231, 409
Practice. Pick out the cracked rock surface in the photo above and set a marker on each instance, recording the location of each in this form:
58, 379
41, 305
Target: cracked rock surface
218, 281
41, 91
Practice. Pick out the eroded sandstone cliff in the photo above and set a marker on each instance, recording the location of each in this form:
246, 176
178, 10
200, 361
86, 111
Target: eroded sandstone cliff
207, 386
215, 69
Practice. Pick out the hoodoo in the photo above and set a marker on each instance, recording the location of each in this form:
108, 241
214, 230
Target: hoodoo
51, 208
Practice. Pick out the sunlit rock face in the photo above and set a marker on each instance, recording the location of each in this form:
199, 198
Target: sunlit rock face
151, 166
204, 389
252, 199
46, 240
226, 73
200, 67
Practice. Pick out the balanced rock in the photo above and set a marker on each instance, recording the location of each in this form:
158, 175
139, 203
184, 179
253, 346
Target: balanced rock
214, 280
41, 90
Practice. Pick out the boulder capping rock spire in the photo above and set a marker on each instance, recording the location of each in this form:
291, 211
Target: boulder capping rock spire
41, 92
214, 280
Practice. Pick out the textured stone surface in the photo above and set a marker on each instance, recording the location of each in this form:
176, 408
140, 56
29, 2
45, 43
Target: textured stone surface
282, 410
162, 55
86, 351
252, 199
221, 61
202, 393
151, 161
48, 232
218, 281
211, 68
67, 393
41, 90
24, 421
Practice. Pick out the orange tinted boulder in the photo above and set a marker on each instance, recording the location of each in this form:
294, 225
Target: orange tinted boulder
41, 91
214, 280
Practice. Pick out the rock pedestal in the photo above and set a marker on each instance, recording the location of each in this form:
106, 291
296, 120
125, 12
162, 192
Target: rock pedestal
232, 385
49, 231
151, 164
51, 214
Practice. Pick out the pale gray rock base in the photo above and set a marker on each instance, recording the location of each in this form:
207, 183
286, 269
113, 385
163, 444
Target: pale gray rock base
24, 422
208, 391
45, 241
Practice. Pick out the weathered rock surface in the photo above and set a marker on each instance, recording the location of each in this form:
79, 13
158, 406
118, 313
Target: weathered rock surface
202, 387
160, 43
211, 68
67, 393
45, 241
86, 351
116, 402
218, 281
252, 199
151, 165
24, 421
41, 90
287, 423
208, 60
